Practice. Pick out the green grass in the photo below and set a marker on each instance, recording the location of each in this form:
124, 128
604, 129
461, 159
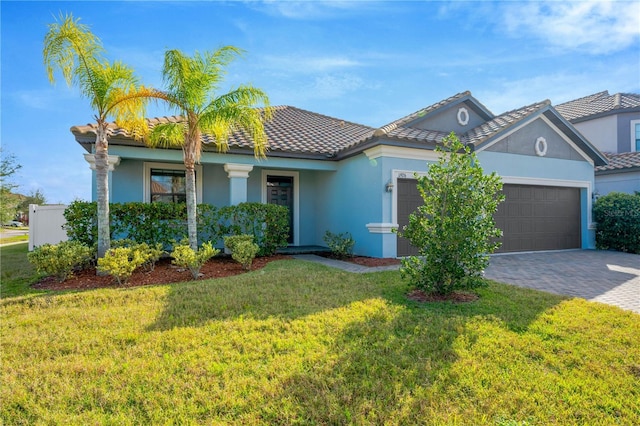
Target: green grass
16, 272
13, 239
299, 343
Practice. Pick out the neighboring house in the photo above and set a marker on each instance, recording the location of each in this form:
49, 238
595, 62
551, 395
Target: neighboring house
340, 176
612, 124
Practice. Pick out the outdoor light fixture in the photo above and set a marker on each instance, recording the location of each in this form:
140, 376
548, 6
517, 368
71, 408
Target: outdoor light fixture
389, 186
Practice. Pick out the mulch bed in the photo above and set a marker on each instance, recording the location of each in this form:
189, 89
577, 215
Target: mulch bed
163, 273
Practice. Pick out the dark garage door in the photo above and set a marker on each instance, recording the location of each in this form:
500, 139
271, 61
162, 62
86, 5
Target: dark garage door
531, 217
539, 218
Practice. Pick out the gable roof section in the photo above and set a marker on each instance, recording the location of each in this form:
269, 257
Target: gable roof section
597, 105
406, 121
624, 162
482, 134
292, 132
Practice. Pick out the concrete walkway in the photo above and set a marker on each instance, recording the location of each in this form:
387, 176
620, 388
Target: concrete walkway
601, 276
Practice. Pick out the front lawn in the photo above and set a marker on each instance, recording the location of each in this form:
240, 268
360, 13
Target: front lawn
300, 343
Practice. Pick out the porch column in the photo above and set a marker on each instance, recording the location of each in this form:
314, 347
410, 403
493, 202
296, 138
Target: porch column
113, 161
238, 175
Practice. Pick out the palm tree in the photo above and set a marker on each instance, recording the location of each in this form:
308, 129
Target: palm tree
192, 83
112, 90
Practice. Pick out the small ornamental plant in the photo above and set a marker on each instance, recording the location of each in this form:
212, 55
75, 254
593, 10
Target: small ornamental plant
341, 245
454, 229
243, 249
60, 260
186, 257
150, 253
121, 262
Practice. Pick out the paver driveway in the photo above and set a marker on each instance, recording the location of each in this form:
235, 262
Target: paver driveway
602, 276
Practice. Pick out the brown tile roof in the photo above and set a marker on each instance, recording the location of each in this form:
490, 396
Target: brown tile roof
596, 104
292, 130
621, 162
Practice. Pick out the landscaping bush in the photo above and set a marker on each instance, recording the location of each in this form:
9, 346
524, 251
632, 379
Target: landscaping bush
618, 222
185, 257
341, 245
150, 254
454, 230
161, 223
121, 262
243, 249
60, 260
268, 223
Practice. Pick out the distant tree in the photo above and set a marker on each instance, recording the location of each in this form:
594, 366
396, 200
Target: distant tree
8, 200
34, 197
192, 82
111, 88
454, 230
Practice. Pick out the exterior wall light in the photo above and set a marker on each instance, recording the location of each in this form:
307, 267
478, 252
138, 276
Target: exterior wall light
389, 186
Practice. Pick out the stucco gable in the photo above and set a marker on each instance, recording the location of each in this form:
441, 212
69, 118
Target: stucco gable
443, 116
538, 139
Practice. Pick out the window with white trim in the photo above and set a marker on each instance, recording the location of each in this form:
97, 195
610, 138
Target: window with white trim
166, 182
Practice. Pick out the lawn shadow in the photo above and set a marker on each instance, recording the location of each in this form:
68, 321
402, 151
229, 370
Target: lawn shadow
287, 289
397, 353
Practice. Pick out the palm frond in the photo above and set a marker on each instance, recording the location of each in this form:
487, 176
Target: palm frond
71, 48
167, 135
193, 80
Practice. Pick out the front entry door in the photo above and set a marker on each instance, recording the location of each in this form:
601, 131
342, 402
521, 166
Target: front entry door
280, 191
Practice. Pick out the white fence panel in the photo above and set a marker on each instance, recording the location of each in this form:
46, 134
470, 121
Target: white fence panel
46, 225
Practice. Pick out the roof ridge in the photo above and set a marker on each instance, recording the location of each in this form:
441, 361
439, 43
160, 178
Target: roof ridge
595, 96
400, 122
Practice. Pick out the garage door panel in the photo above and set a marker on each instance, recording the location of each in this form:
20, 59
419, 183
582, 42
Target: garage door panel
539, 218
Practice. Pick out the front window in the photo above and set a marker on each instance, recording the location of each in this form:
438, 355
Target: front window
168, 186
637, 137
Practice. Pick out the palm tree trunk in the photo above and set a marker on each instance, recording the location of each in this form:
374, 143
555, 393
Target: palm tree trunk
102, 188
190, 176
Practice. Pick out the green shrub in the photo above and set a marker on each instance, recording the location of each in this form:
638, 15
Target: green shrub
243, 249
60, 260
618, 222
185, 257
154, 223
150, 253
341, 245
121, 262
454, 229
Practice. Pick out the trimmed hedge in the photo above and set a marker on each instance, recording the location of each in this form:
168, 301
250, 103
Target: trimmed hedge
164, 223
618, 222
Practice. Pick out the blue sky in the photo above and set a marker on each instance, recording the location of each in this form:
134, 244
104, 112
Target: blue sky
366, 62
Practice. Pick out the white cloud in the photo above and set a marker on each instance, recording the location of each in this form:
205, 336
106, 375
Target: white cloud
335, 86
309, 64
595, 27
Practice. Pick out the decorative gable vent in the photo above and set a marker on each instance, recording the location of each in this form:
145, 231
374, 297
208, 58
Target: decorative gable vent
463, 116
